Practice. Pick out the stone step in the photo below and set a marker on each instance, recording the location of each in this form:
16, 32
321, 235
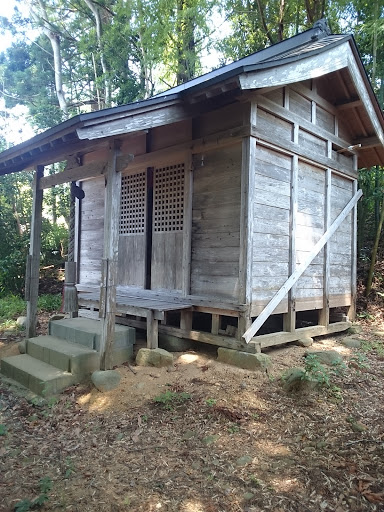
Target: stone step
40, 377
66, 356
87, 332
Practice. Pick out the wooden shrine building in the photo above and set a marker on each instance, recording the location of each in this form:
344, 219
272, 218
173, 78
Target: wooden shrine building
223, 210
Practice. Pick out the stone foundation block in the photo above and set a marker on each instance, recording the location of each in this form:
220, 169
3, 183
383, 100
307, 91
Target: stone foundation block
248, 361
154, 357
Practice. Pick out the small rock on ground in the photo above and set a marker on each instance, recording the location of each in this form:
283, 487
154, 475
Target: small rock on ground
351, 342
157, 357
106, 380
305, 342
22, 345
294, 381
355, 329
21, 321
329, 357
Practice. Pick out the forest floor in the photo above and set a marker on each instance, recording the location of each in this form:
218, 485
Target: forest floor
202, 436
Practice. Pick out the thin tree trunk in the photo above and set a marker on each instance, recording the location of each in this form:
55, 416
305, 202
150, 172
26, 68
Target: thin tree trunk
42, 19
374, 252
264, 23
99, 34
281, 20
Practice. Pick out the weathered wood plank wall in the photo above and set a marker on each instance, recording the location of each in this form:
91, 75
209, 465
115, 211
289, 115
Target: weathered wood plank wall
91, 234
216, 223
301, 122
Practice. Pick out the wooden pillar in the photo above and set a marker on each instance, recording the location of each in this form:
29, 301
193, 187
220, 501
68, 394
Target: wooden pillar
352, 307
186, 320
33, 262
187, 225
71, 305
110, 258
289, 318
324, 312
215, 324
246, 217
152, 330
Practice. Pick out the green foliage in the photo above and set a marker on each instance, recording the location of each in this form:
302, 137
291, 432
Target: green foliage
211, 402
373, 346
315, 371
45, 485
70, 467
170, 399
11, 307
359, 361
255, 25
48, 302
3, 430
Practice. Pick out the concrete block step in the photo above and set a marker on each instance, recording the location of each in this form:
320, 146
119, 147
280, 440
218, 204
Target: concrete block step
87, 332
41, 378
66, 356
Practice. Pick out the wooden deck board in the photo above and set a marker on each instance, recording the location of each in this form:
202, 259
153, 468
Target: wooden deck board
174, 301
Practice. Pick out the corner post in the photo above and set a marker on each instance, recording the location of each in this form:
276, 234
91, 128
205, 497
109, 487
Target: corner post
289, 318
246, 218
110, 257
324, 312
352, 307
33, 262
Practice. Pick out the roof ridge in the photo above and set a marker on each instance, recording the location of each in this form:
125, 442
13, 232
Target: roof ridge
319, 30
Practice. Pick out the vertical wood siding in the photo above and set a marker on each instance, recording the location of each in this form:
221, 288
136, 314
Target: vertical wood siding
216, 224
271, 222
92, 232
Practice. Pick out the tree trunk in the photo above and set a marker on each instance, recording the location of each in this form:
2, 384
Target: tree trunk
374, 252
99, 34
40, 16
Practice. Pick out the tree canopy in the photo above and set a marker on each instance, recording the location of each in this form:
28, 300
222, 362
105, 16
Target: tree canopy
72, 56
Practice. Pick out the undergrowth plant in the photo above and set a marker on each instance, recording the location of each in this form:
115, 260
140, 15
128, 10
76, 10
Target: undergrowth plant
373, 346
316, 372
49, 302
170, 399
12, 306
45, 485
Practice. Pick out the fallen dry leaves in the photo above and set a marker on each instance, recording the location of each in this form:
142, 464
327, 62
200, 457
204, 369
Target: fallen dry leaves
240, 443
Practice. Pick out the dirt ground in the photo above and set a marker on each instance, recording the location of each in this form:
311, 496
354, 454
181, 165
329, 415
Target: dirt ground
223, 439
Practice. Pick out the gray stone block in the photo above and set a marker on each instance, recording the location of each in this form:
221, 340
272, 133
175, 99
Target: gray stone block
244, 360
154, 357
106, 380
36, 375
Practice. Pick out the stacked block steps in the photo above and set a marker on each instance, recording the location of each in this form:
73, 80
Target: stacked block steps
67, 356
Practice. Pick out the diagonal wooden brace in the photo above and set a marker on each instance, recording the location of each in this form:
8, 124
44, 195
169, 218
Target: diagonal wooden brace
278, 297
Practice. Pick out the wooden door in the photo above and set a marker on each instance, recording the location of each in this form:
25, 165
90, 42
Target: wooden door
167, 227
133, 228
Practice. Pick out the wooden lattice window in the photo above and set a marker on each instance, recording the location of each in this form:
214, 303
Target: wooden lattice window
168, 198
133, 195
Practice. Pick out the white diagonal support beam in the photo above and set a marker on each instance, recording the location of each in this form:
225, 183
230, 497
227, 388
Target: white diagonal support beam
277, 298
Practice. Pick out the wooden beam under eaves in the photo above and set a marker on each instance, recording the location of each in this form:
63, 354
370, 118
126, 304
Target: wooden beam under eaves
349, 104
367, 142
73, 174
